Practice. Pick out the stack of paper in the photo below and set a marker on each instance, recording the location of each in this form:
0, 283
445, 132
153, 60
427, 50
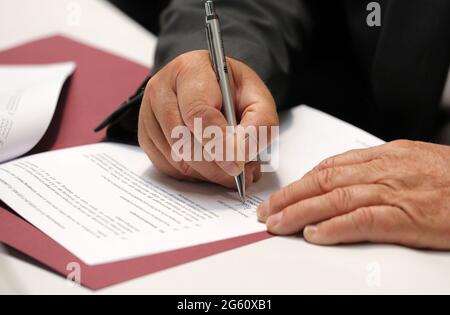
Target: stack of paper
28, 99
106, 203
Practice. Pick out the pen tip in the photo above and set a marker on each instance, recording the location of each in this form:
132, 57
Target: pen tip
240, 184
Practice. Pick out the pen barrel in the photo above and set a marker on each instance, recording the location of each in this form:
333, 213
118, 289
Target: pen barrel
220, 64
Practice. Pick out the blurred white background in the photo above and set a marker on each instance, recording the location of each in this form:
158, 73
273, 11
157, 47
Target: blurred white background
94, 22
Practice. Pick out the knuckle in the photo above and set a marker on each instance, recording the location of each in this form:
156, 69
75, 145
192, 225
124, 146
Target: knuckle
324, 179
387, 194
196, 109
328, 163
152, 99
152, 88
393, 184
379, 166
402, 144
183, 61
363, 219
340, 199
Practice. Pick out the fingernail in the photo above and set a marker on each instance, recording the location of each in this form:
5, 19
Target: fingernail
310, 232
231, 168
263, 211
273, 221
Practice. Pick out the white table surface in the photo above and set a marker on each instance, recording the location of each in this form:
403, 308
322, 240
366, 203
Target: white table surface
275, 266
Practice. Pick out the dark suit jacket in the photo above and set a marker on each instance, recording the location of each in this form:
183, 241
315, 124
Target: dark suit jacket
388, 80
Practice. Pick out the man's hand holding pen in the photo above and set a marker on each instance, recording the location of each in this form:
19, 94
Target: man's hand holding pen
187, 89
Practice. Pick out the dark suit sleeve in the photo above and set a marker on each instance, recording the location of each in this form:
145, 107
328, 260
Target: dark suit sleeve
264, 34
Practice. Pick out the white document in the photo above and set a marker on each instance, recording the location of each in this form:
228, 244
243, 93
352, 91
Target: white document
106, 202
28, 99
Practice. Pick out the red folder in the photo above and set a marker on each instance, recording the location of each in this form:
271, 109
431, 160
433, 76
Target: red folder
101, 82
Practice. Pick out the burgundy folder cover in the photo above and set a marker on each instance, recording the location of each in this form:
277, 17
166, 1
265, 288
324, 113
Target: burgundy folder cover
101, 82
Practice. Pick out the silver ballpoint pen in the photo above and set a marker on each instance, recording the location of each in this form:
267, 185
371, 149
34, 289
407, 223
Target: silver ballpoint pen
219, 63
